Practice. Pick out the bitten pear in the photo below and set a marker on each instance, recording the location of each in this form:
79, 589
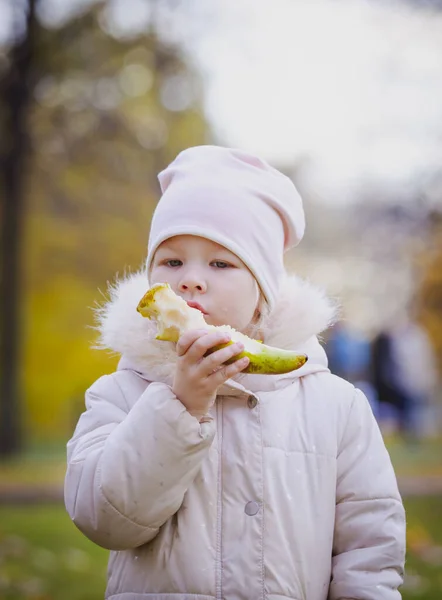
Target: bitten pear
174, 317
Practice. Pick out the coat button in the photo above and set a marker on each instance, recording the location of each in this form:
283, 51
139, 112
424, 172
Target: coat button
252, 401
251, 508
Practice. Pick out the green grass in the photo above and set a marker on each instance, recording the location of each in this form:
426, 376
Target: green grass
416, 459
44, 557
38, 464
424, 548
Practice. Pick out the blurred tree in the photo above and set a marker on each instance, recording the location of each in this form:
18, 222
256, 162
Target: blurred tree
15, 94
108, 113
429, 301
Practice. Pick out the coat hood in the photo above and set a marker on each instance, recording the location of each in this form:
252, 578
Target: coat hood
301, 313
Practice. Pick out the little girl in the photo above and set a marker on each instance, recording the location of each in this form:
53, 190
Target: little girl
208, 483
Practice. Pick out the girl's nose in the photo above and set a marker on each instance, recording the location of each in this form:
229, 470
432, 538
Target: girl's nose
192, 283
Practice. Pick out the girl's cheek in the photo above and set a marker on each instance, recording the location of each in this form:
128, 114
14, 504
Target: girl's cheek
157, 275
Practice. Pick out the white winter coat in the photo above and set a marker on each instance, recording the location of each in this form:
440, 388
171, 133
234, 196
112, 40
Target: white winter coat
287, 493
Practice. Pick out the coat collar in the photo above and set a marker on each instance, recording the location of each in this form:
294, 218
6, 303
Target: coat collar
302, 312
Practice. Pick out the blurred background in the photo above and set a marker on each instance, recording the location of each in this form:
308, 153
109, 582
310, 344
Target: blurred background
344, 96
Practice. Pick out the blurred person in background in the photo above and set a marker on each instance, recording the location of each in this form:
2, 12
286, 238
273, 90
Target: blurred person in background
349, 353
405, 374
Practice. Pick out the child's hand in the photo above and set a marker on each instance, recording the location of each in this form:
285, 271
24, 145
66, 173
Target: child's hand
198, 377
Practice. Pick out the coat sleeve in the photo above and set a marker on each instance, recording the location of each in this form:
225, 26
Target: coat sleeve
128, 470
369, 537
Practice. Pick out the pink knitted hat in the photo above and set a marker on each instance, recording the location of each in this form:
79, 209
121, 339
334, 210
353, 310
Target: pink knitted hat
234, 199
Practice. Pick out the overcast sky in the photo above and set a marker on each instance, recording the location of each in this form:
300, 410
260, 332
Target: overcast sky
352, 85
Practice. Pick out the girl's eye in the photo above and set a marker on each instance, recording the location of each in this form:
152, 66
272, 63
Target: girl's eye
220, 264
174, 262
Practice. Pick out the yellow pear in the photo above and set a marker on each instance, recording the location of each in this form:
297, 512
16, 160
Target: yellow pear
174, 317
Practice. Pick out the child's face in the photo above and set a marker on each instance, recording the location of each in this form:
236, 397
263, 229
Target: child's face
209, 275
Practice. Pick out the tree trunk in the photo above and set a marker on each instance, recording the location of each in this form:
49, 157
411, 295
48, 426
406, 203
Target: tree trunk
16, 94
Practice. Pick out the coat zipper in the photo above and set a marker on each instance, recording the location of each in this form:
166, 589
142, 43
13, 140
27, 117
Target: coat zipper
219, 519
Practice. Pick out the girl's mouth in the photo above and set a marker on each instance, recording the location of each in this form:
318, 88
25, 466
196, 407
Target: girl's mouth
197, 306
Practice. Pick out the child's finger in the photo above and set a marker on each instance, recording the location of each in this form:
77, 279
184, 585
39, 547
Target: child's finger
217, 358
187, 339
225, 373
204, 343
